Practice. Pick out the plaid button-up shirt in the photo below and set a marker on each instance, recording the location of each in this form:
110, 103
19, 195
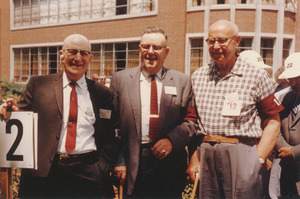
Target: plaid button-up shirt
251, 83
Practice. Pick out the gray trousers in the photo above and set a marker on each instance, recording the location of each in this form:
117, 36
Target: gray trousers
230, 171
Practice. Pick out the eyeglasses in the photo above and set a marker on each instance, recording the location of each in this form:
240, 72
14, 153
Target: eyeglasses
73, 52
222, 41
146, 47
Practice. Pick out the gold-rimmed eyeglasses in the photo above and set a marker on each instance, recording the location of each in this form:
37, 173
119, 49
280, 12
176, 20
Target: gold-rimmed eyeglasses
73, 52
222, 40
146, 47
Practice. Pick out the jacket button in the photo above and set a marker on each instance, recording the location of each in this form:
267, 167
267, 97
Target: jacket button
57, 137
50, 161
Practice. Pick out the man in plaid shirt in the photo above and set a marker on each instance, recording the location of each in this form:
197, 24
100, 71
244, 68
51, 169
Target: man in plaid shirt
230, 94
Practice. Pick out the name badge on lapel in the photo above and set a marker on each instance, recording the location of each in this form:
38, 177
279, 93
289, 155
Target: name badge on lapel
171, 90
105, 113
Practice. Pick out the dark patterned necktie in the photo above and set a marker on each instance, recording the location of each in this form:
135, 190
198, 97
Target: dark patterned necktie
154, 117
72, 123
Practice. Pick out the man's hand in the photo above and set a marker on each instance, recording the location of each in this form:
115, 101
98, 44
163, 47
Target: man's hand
194, 167
7, 105
285, 152
162, 148
120, 173
269, 164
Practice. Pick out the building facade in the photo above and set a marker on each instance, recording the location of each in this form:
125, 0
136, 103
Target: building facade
32, 31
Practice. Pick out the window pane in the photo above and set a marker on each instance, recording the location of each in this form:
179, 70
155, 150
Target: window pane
35, 12
267, 51
44, 8
53, 12
286, 49
109, 7
53, 57
245, 44
85, 9
34, 61
17, 13
268, 2
245, 1
63, 11
26, 12
196, 54
198, 3
121, 7
73, 10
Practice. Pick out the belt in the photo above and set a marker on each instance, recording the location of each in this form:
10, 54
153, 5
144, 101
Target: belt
77, 157
147, 145
233, 140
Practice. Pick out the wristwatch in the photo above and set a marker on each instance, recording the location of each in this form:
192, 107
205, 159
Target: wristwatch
261, 160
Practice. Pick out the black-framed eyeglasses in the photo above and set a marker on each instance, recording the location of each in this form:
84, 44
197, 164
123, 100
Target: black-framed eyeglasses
146, 47
221, 41
73, 52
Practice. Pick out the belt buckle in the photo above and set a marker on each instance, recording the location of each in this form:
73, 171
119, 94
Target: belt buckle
219, 140
64, 156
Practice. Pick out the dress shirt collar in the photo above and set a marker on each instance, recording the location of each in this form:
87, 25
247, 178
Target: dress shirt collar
214, 73
81, 83
144, 75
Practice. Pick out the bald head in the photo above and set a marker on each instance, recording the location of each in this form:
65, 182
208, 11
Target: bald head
77, 38
224, 26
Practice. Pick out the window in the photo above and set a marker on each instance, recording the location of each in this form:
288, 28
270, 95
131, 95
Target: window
268, 2
35, 61
41, 12
286, 49
266, 51
196, 54
112, 57
245, 44
107, 59
245, 1
220, 1
198, 3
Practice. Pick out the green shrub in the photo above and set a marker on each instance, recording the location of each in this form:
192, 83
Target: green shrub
10, 90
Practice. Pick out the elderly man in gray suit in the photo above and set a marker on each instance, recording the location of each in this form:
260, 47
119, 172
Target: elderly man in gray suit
288, 144
153, 135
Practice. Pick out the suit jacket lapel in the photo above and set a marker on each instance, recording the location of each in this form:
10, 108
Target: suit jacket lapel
166, 99
133, 88
58, 89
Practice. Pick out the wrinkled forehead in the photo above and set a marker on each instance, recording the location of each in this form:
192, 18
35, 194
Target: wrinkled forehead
222, 30
154, 39
77, 42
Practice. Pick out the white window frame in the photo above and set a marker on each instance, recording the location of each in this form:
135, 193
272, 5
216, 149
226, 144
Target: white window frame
103, 18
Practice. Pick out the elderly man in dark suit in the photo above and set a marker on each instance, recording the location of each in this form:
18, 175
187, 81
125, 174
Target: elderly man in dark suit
75, 128
155, 163
288, 144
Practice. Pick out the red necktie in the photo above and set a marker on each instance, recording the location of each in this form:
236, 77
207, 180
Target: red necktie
154, 117
72, 123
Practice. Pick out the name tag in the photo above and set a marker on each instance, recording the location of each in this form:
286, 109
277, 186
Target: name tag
105, 113
170, 90
232, 105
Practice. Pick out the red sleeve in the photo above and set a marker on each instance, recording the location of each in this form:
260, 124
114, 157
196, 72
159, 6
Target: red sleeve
268, 107
191, 114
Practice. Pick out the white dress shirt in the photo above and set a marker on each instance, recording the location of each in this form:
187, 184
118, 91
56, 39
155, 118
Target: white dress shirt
85, 141
145, 90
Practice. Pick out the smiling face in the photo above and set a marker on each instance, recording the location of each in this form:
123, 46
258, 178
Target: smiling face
75, 65
223, 52
154, 51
